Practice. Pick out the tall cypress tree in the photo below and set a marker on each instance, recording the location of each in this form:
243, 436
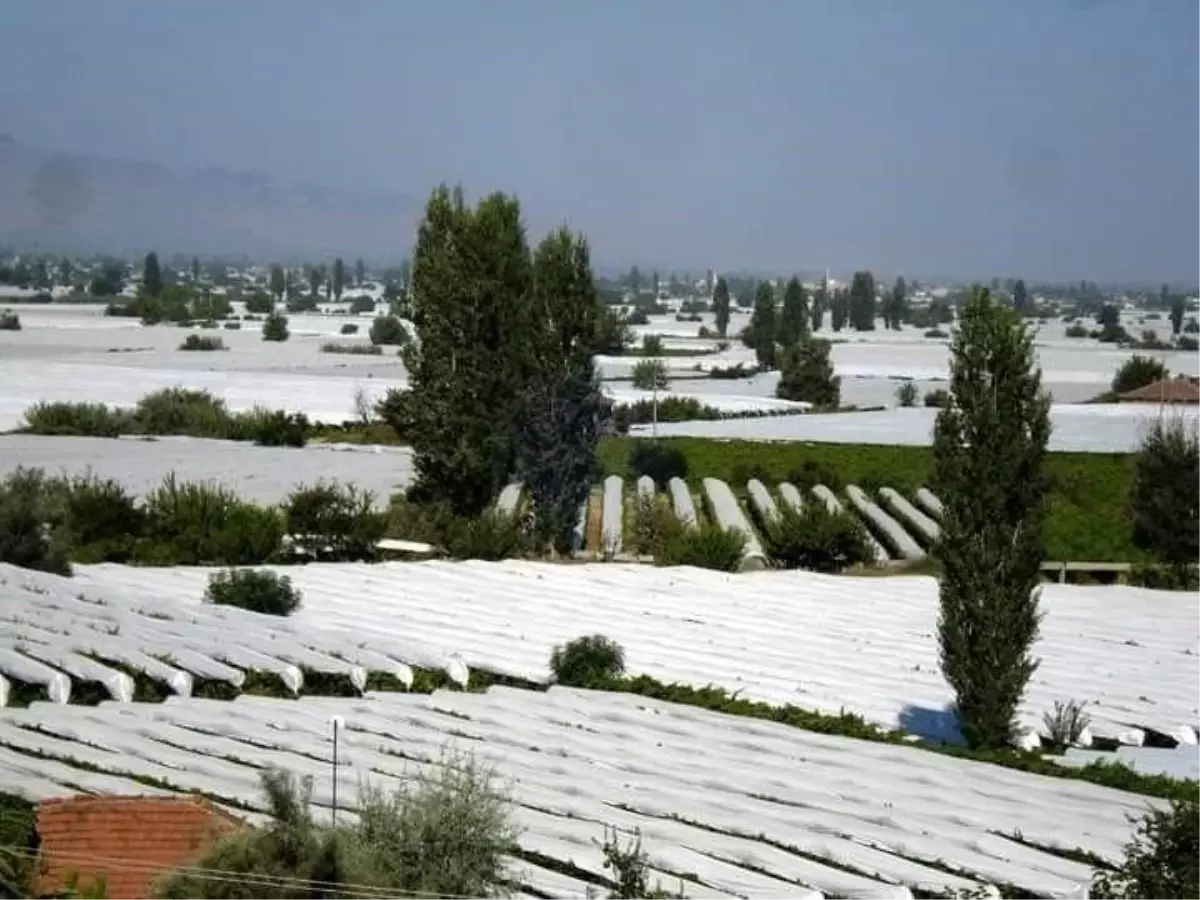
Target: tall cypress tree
988, 451
152, 282
897, 304
862, 301
562, 400
820, 303
339, 278
720, 302
471, 280
793, 320
762, 330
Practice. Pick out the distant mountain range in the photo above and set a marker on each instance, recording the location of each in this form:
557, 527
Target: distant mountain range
73, 202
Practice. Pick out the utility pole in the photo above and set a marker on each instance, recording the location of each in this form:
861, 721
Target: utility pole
336, 722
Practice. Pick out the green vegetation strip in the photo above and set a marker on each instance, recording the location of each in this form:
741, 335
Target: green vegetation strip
1089, 499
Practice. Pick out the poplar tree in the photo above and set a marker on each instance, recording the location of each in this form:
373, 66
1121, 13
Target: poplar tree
339, 278
720, 303
761, 334
862, 301
989, 450
793, 320
152, 282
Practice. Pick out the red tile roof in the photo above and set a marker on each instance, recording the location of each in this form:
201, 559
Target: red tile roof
1182, 389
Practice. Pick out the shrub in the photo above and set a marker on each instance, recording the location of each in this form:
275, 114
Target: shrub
492, 535
199, 342
31, 535
650, 374
361, 304
86, 419
1186, 343
936, 334
806, 374
638, 317
1164, 498
389, 330
9, 321
257, 591
631, 868
707, 546
352, 349
260, 302
906, 394
814, 539
738, 370
270, 427
652, 344
1162, 860
587, 661
101, 519
1064, 727
275, 328
1138, 371
810, 473
349, 328
1192, 326
668, 409
179, 410
659, 461
339, 520
193, 523
937, 399
1078, 330
232, 326
654, 525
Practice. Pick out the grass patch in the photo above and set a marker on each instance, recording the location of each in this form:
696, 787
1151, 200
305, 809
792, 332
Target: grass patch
352, 349
1088, 517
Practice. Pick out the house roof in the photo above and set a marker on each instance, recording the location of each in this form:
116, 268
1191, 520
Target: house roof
1181, 389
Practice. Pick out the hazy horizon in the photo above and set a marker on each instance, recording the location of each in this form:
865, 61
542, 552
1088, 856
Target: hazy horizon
1052, 140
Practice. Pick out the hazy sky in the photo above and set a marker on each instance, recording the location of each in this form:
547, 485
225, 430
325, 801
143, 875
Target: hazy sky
1041, 138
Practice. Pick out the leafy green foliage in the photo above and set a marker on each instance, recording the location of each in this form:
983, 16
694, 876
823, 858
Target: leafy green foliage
653, 525
1138, 371
761, 334
815, 539
631, 868
660, 461
18, 834
906, 394
707, 546
720, 305
9, 321
200, 524
1065, 725
260, 302
861, 301
352, 349
586, 660
257, 591
1162, 860
348, 328
650, 374
1164, 499
30, 528
91, 419
806, 374
152, 281
793, 319
937, 399
389, 330
201, 342
989, 451
652, 344
336, 522
275, 327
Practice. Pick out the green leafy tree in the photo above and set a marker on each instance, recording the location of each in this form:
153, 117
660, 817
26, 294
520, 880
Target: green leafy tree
806, 374
278, 282
761, 334
1138, 371
360, 272
339, 278
471, 283
839, 309
720, 303
1178, 308
989, 451
1021, 301
560, 425
793, 320
820, 304
1164, 498
152, 280
275, 328
316, 278
862, 301
896, 310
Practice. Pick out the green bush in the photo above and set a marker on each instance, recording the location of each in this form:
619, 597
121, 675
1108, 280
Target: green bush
338, 521
199, 342
360, 305
1186, 343
1137, 371
660, 462
653, 526
275, 328
936, 334
1077, 330
257, 591
652, 345
806, 374
810, 473
389, 330
31, 533
937, 399
492, 535
181, 411
587, 660
349, 328
9, 321
707, 546
352, 349
80, 419
270, 427
232, 326
101, 519
650, 374
260, 302
668, 409
814, 539
906, 394
193, 524
1162, 860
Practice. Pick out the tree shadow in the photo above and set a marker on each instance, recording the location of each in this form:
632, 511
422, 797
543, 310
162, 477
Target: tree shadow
931, 724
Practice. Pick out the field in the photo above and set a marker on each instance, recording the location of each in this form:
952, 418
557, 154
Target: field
161, 699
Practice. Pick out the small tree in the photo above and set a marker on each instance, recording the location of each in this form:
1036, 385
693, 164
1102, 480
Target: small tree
1164, 499
649, 374
989, 448
793, 320
1136, 372
275, 328
906, 394
761, 335
720, 304
1162, 860
806, 374
815, 539
586, 661
339, 278
389, 330
652, 345
152, 282
257, 591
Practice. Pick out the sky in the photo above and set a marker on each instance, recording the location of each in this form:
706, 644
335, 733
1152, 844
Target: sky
1028, 138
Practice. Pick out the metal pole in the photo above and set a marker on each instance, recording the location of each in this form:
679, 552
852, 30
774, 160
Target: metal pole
335, 768
654, 431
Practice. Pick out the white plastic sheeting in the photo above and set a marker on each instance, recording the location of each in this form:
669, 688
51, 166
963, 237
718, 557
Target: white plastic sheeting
16, 666
791, 496
729, 515
579, 533
646, 487
863, 819
682, 502
834, 505
509, 498
929, 529
763, 502
928, 500
612, 522
897, 537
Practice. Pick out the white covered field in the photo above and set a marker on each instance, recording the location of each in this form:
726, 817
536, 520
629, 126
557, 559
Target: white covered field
739, 807
74, 353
